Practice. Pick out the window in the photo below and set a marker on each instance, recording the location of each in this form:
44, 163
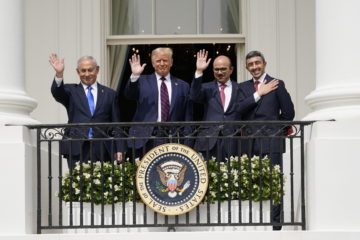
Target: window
163, 22
159, 17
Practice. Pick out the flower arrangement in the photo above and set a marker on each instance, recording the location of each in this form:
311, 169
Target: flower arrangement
108, 182
246, 179
103, 182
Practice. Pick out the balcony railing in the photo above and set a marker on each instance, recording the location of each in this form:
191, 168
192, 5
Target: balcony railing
242, 192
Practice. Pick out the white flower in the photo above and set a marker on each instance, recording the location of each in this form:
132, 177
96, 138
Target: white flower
277, 168
106, 194
77, 166
87, 175
110, 179
97, 182
77, 191
86, 166
116, 187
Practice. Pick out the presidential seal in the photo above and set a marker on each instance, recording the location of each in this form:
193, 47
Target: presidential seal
172, 179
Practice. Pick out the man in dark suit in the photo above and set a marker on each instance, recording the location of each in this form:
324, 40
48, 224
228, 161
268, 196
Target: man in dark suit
276, 105
222, 102
160, 97
86, 102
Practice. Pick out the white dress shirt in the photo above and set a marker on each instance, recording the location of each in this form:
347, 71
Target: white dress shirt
93, 90
158, 81
228, 92
261, 80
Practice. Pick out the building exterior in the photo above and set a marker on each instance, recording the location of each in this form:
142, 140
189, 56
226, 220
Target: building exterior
311, 44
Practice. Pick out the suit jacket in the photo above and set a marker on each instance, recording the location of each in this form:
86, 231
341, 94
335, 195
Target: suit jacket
274, 106
145, 92
74, 99
209, 95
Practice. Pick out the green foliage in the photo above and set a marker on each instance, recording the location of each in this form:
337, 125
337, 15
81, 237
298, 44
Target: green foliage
99, 183
245, 179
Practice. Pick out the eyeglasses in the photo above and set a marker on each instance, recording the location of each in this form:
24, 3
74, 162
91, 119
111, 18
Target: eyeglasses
220, 69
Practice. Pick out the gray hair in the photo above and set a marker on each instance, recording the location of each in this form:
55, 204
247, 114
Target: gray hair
85, 58
255, 54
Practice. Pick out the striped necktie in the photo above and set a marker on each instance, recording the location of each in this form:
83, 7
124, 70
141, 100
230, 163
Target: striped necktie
165, 104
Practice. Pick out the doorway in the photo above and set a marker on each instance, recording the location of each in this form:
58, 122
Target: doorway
184, 66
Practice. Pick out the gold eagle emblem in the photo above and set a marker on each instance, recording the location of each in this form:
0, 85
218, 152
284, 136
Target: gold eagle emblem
172, 174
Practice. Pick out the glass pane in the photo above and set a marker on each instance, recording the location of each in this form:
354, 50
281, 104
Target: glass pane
142, 17
131, 17
175, 17
136, 17
219, 17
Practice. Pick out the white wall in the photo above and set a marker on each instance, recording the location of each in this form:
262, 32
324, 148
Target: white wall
70, 28
283, 30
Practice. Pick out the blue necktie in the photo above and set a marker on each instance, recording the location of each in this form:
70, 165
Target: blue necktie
90, 99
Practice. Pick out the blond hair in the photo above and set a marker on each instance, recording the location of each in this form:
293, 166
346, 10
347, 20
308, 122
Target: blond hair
157, 51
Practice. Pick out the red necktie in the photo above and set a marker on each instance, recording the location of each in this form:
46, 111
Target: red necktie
222, 94
165, 104
256, 85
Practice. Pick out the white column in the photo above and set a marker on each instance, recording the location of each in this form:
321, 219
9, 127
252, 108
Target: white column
17, 178
15, 105
333, 160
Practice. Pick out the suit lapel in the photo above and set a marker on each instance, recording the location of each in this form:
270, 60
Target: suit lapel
100, 97
268, 79
174, 92
83, 98
249, 87
216, 93
153, 85
233, 97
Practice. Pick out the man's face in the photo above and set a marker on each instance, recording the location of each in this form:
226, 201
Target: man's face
256, 67
222, 69
87, 71
162, 64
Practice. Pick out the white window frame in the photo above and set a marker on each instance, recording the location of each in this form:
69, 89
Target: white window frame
238, 39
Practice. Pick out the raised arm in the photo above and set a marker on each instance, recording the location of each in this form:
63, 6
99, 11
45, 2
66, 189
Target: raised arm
57, 64
201, 61
136, 67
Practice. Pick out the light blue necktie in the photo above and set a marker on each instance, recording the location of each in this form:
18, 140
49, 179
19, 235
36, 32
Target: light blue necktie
90, 99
